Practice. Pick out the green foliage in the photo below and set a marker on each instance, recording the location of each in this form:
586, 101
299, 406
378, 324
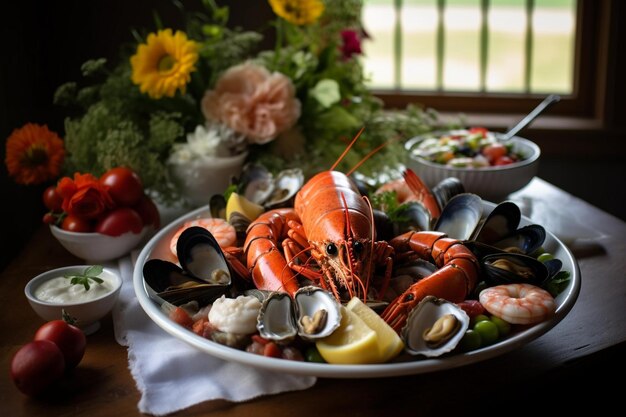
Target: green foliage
112, 123
89, 274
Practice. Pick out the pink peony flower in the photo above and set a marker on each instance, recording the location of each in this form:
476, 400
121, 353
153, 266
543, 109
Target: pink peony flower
254, 102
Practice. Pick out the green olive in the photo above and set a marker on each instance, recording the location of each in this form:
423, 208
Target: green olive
544, 257
470, 341
478, 319
488, 331
504, 327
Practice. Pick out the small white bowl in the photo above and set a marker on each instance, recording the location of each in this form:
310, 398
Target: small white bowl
87, 313
96, 247
492, 183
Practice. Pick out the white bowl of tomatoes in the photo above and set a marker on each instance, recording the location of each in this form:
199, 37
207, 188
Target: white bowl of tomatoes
100, 219
486, 166
98, 247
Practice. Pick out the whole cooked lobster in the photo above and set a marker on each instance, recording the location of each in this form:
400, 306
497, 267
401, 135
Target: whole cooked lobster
329, 237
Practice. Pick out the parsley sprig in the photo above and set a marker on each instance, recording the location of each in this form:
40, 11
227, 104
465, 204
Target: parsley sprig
89, 274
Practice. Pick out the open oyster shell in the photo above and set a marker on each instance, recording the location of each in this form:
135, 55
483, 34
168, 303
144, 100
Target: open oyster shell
423, 317
312, 314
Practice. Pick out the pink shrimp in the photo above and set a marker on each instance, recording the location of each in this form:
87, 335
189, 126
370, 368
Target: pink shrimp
223, 231
518, 303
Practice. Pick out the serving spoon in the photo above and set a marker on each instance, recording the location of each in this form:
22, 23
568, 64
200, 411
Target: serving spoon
547, 102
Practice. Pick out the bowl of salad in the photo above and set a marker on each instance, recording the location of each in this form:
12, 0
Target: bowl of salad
485, 164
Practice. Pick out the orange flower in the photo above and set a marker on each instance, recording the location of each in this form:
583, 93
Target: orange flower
84, 197
34, 154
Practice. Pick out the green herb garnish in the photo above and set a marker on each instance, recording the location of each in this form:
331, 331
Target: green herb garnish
387, 202
557, 283
90, 274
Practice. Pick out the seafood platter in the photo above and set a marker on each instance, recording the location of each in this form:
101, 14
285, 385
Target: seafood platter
328, 278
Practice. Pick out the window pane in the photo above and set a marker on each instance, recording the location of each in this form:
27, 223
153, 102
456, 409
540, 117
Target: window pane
409, 50
379, 19
554, 26
462, 45
419, 44
506, 50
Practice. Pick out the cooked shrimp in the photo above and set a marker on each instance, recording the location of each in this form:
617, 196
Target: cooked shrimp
403, 192
223, 231
518, 303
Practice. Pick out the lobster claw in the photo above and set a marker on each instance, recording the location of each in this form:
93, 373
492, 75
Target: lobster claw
397, 312
452, 282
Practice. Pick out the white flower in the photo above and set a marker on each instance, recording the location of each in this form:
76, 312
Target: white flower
208, 142
204, 141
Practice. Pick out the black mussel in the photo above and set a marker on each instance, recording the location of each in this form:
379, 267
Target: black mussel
509, 268
162, 275
554, 266
480, 250
502, 221
460, 216
217, 205
384, 226
201, 257
412, 216
446, 189
525, 240
165, 281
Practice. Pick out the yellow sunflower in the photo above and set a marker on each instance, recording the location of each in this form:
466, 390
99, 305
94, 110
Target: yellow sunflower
164, 63
298, 12
34, 154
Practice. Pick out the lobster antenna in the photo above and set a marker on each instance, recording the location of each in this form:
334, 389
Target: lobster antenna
346, 150
349, 236
365, 158
372, 244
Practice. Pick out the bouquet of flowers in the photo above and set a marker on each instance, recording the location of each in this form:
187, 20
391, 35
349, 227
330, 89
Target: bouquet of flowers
206, 93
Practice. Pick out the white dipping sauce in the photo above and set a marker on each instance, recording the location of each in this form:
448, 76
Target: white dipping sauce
60, 290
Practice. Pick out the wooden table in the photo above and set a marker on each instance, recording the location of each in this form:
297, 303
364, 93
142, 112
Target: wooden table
566, 366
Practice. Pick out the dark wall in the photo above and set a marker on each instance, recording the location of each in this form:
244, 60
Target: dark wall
45, 42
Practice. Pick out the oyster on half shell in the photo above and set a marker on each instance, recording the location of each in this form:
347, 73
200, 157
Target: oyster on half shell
313, 313
434, 327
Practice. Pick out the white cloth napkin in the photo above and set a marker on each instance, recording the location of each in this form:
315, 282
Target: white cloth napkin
172, 375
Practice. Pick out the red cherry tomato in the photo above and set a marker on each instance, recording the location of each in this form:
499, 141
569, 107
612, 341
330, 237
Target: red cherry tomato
37, 365
148, 212
181, 317
49, 218
124, 186
472, 307
69, 338
482, 130
503, 160
120, 221
76, 224
52, 200
494, 151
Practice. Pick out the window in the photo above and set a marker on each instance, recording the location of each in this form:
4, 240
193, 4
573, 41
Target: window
507, 53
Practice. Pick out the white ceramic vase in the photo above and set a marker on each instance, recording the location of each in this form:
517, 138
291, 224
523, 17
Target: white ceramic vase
201, 178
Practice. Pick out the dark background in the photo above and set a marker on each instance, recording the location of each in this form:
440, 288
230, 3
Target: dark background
45, 42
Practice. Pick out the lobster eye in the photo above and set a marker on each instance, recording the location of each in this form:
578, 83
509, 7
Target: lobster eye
331, 249
358, 247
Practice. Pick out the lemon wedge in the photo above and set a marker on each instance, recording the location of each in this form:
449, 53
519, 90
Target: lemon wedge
352, 343
389, 342
239, 203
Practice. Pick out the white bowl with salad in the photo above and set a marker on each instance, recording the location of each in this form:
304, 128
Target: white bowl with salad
486, 165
